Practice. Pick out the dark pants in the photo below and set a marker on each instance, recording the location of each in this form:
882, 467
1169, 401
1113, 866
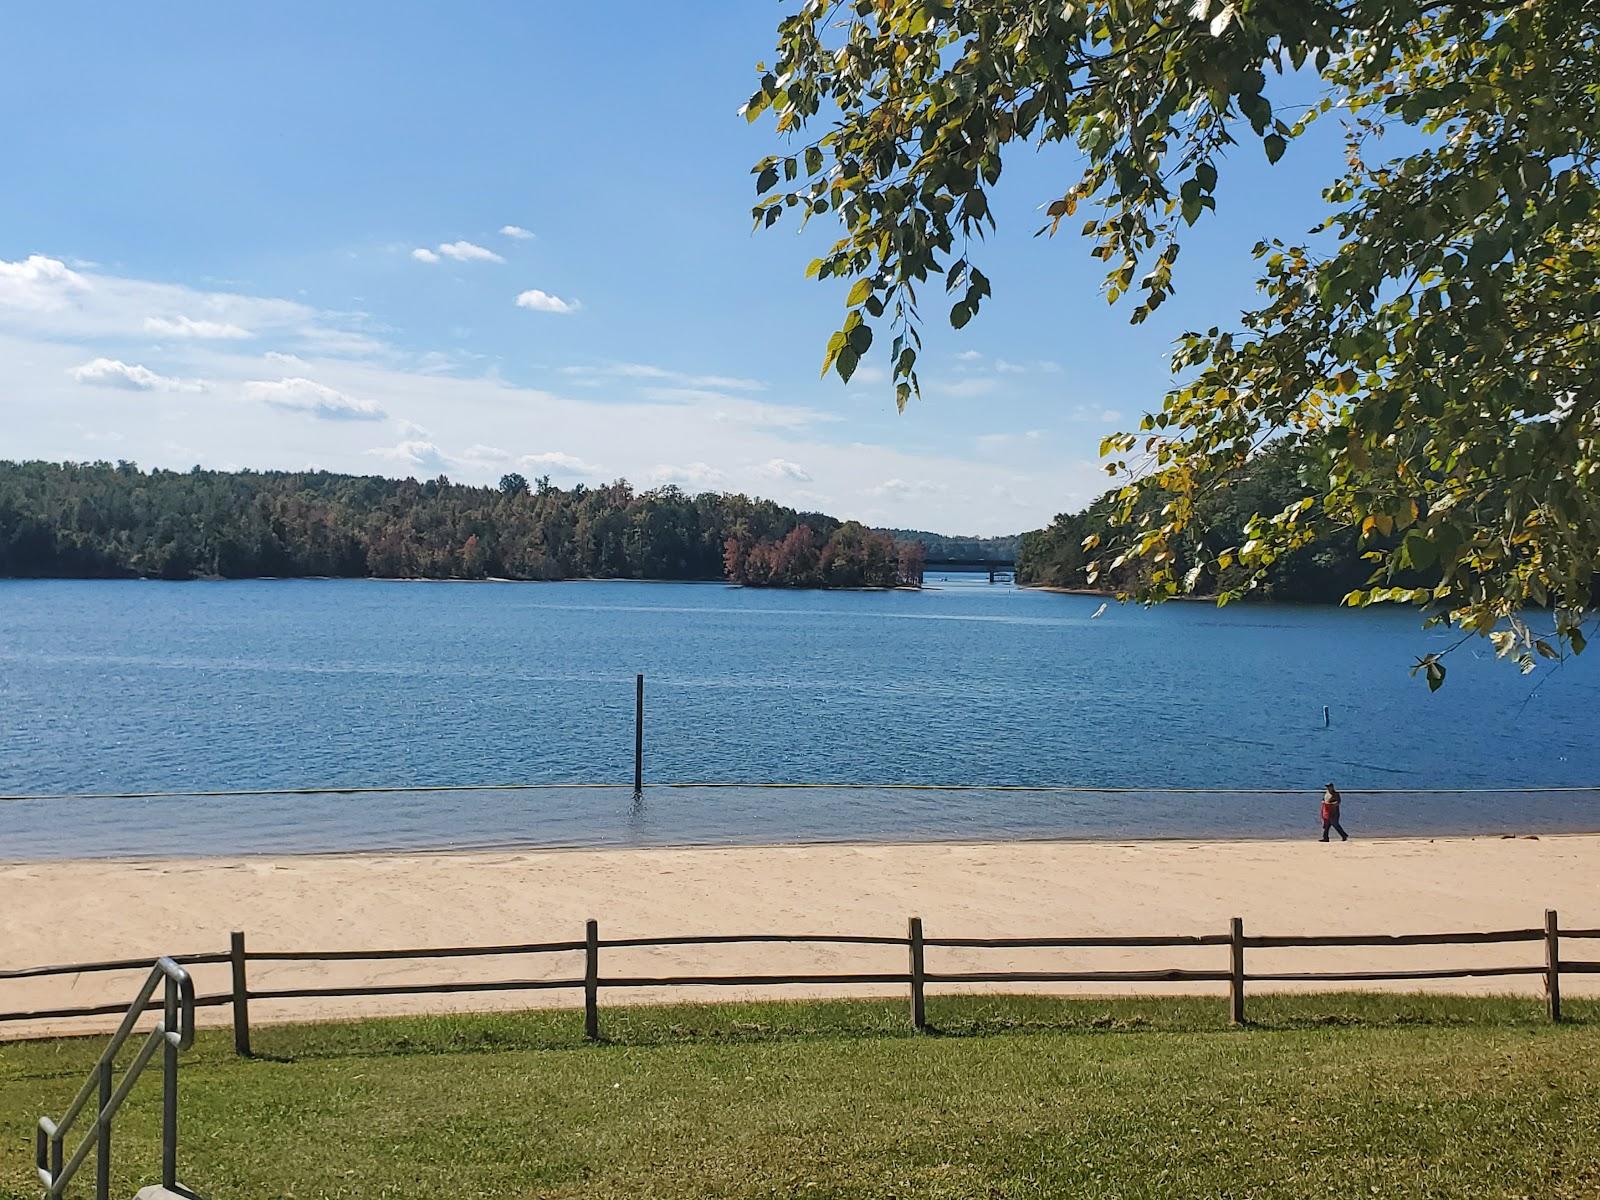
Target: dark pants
1333, 823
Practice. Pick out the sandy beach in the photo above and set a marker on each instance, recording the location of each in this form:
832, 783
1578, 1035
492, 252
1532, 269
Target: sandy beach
61, 912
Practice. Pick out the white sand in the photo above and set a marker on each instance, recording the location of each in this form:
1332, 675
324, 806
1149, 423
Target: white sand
82, 911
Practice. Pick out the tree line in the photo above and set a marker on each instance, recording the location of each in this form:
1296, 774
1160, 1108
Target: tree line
105, 520
1067, 553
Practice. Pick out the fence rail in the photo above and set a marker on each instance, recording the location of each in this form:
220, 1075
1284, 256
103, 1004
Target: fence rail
916, 977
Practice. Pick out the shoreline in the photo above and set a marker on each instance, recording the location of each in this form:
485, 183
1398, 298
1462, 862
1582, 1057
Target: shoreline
857, 843
71, 911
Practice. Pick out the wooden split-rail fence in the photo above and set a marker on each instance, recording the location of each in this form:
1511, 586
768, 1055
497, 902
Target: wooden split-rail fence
917, 977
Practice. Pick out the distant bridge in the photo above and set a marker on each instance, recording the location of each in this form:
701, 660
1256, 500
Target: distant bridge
994, 566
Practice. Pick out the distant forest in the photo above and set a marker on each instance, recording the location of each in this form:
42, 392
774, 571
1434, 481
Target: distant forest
104, 520
941, 545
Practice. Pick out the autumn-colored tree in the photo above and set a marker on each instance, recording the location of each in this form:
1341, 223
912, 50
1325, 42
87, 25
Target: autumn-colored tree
1434, 353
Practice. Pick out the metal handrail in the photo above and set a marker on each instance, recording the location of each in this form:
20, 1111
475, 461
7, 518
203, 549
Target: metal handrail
172, 1033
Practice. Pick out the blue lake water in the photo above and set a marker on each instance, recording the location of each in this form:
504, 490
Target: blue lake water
152, 687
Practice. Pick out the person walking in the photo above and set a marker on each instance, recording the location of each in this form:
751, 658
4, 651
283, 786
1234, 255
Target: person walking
1330, 813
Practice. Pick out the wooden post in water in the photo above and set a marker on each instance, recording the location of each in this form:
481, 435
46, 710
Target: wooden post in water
1236, 970
591, 978
919, 1015
1327, 719
638, 736
1552, 965
241, 996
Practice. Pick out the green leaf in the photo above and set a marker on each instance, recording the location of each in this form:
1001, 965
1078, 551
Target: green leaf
1274, 146
860, 292
961, 314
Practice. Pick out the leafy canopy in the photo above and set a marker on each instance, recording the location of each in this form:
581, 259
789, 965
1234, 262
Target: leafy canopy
1434, 351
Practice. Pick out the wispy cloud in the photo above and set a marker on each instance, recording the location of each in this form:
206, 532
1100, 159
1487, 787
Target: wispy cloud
42, 296
462, 251
649, 371
423, 456
782, 468
516, 231
112, 372
976, 385
187, 327
555, 462
903, 488
544, 302
313, 399
694, 475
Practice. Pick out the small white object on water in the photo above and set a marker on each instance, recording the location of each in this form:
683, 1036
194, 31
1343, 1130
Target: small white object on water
1100, 610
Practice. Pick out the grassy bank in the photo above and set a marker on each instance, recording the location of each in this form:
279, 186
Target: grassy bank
1324, 1096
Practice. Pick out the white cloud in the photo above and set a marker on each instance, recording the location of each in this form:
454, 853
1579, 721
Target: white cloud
695, 475
42, 297
1008, 368
312, 398
481, 455
187, 327
544, 302
589, 375
1110, 415
554, 462
782, 468
424, 456
278, 356
516, 231
902, 488
990, 442
978, 385
39, 284
969, 356
469, 252
462, 251
112, 372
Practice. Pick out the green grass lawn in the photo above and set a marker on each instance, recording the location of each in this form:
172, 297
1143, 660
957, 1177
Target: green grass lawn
1327, 1096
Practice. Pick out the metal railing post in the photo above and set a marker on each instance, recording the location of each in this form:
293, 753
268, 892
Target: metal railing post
102, 1161
169, 1087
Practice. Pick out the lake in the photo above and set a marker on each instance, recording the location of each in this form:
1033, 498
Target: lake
122, 686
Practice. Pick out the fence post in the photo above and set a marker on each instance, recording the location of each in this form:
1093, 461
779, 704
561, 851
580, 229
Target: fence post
638, 735
919, 1016
1552, 965
1236, 970
591, 980
241, 996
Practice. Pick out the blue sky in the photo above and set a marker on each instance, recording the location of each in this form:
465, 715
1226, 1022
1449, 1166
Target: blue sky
209, 242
